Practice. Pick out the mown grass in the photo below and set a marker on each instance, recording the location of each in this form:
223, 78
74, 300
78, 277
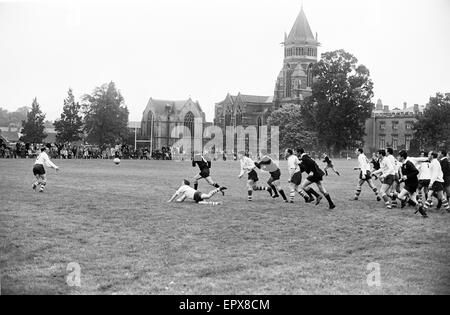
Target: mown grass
115, 223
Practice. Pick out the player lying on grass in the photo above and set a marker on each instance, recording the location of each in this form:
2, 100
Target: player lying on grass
186, 191
248, 165
39, 170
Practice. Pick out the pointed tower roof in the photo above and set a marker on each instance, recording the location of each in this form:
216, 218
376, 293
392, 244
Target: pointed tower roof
301, 31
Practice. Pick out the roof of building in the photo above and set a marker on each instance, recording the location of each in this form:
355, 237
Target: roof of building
256, 99
162, 106
10, 136
301, 31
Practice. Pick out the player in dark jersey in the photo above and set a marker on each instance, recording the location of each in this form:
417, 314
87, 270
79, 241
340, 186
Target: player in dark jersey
411, 180
316, 175
375, 164
327, 160
204, 165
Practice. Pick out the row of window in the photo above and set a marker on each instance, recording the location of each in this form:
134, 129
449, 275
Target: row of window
409, 125
300, 51
396, 143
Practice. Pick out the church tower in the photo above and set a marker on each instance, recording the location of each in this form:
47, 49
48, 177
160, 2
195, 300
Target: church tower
300, 54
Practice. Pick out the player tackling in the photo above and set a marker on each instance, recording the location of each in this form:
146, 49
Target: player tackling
187, 192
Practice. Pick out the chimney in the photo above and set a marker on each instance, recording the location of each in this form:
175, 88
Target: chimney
405, 105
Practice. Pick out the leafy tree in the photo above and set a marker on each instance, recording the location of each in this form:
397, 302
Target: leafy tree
16, 117
341, 100
294, 132
70, 127
33, 128
106, 116
432, 129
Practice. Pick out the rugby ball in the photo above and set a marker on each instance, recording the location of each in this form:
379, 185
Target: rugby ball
117, 161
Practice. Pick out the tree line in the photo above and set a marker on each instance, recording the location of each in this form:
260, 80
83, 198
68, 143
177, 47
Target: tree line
333, 118
101, 118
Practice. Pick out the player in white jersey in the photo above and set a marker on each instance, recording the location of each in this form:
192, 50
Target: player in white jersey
364, 175
186, 191
248, 166
395, 188
422, 163
295, 179
386, 174
436, 182
39, 170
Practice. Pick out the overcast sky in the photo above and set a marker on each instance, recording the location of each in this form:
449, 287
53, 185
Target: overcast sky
173, 49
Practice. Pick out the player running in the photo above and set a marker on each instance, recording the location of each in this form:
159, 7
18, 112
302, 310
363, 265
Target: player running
445, 166
436, 182
186, 191
327, 160
315, 176
295, 175
248, 165
364, 175
410, 178
267, 164
386, 174
395, 188
204, 166
39, 170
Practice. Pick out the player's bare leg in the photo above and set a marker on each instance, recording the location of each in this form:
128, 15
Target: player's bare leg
43, 183
383, 191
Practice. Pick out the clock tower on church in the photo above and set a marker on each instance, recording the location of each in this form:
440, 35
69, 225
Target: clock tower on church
300, 54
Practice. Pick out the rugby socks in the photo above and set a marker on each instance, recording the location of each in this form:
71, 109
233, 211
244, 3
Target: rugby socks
43, 183
283, 195
311, 192
387, 202
275, 191
292, 196
330, 202
358, 193
250, 195
305, 195
216, 185
195, 186
394, 200
260, 188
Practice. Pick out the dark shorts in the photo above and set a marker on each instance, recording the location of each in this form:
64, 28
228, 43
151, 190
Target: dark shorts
411, 187
253, 176
38, 169
296, 179
365, 177
446, 182
198, 196
330, 165
389, 180
424, 183
275, 175
204, 173
437, 187
315, 178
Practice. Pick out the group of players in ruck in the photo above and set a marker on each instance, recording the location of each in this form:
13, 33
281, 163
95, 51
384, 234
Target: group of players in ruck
297, 164
405, 180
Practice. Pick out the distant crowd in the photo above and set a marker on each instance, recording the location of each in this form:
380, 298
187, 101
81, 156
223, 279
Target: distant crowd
80, 151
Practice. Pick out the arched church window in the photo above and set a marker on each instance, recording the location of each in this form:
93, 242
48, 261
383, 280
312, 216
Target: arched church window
238, 119
227, 119
189, 122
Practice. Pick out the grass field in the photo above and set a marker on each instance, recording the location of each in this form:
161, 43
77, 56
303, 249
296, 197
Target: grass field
114, 222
